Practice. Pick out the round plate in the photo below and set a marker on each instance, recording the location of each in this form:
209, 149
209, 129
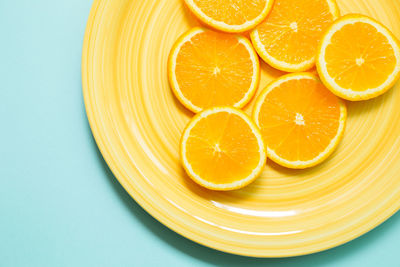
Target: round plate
137, 124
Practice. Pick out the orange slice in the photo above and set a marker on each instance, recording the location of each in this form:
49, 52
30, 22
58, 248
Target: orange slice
222, 149
288, 38
358, 58
301, 121
230, 15
208, 69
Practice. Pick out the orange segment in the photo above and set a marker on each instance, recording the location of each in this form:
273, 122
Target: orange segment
358, 58
301, 121
208, 69
230, 15
288, 38
222, 149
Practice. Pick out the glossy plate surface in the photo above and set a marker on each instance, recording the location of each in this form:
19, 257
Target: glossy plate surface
137, 124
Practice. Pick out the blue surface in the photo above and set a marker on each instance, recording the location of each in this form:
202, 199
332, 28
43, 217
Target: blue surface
59, 203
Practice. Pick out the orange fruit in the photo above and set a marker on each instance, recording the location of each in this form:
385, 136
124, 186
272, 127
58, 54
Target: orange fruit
208, 69
358, 58
222, 149
230, 15
288, 38
301, 121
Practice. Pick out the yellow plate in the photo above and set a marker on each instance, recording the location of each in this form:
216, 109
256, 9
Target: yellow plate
137, 124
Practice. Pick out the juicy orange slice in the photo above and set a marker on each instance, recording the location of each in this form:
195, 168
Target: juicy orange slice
230, 15
288, 38
358, 58
222, 149
301, 121
208, 69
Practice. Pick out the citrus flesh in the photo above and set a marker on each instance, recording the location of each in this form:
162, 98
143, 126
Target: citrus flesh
301, 121
358, 58
230, 15
222, 149
288, 38
208, 69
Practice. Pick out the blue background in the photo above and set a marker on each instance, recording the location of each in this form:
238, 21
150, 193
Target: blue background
59, 203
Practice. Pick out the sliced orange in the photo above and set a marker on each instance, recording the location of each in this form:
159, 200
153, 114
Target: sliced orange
222, 149
301, 121
230, 15
358, 58
288, 38
208, 69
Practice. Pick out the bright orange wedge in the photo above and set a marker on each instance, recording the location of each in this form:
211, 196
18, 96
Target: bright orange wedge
222, 149
208, 69
230, 15
288, 38
301, 121
358, 58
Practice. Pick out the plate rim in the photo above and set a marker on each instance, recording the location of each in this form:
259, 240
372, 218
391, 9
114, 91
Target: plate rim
143, 203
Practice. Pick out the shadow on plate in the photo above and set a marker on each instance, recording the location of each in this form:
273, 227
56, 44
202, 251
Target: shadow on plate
356, 109
218, 258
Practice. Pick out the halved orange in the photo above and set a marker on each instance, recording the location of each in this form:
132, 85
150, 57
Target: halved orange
230, 15
288, 38
358, 58
222, 149
301, 121
208, 69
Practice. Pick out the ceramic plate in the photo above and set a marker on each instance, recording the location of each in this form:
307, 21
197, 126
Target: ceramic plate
137, 123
